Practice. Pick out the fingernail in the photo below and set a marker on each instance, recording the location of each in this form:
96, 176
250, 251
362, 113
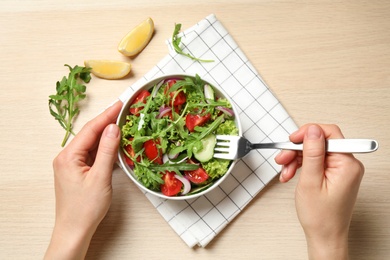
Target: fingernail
313, 132
112, 131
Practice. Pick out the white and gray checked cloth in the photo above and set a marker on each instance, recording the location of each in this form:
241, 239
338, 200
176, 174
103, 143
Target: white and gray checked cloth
198, 221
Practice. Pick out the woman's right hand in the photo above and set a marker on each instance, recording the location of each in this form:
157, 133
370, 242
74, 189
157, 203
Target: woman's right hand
326, 191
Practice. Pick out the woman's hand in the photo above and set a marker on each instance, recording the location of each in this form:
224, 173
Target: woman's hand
82, 177
326, 191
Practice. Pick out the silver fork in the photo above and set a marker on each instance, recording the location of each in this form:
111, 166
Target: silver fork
234, 147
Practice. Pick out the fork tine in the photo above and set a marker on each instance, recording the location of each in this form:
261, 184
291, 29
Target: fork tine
223, 137
227, 137
226, 147
225, 156
222, 149
223, 143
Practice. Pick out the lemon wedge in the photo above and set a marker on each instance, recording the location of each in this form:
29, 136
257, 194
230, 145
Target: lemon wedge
137, 39
108, 69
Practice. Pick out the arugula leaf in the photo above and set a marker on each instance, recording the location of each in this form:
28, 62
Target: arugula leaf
193, 142
150, 174
176, 40
63, 105
176, 167
205, 131
149, 178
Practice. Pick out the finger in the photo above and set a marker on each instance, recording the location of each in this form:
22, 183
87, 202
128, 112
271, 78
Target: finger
288, 171
87, 138
313, 156
330, 131
285, 157
107, 151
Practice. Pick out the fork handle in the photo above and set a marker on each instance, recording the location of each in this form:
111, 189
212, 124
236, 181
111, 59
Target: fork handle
332, 145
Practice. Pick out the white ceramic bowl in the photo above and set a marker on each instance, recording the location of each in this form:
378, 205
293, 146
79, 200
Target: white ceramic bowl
122, 120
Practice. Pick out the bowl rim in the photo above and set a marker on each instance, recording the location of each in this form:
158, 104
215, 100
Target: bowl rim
124, 112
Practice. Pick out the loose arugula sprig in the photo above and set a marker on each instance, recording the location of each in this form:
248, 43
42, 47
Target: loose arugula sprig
176, 40
63, 105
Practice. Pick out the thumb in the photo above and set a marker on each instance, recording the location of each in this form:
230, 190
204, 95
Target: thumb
313, 162
107, 151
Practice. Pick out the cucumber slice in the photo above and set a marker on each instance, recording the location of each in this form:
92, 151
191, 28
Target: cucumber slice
207, 152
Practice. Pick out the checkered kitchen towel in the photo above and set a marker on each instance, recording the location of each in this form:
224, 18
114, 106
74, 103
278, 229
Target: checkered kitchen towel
263, 118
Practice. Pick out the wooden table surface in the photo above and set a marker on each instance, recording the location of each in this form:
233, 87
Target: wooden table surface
326, 61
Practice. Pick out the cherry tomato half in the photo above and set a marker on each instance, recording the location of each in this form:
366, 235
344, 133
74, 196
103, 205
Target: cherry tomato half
141, 98
179, 99
153, 153
130, 151
171, 186
193, 120
197, 176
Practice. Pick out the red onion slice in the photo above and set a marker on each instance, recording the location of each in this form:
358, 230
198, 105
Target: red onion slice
165, 158
186, 184
177, 79
157, 88
163, 111
173, 156
226, 110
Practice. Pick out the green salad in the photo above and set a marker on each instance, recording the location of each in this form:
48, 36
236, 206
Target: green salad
170, 134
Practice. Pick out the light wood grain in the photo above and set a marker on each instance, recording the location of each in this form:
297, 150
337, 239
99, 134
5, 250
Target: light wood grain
326, 61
